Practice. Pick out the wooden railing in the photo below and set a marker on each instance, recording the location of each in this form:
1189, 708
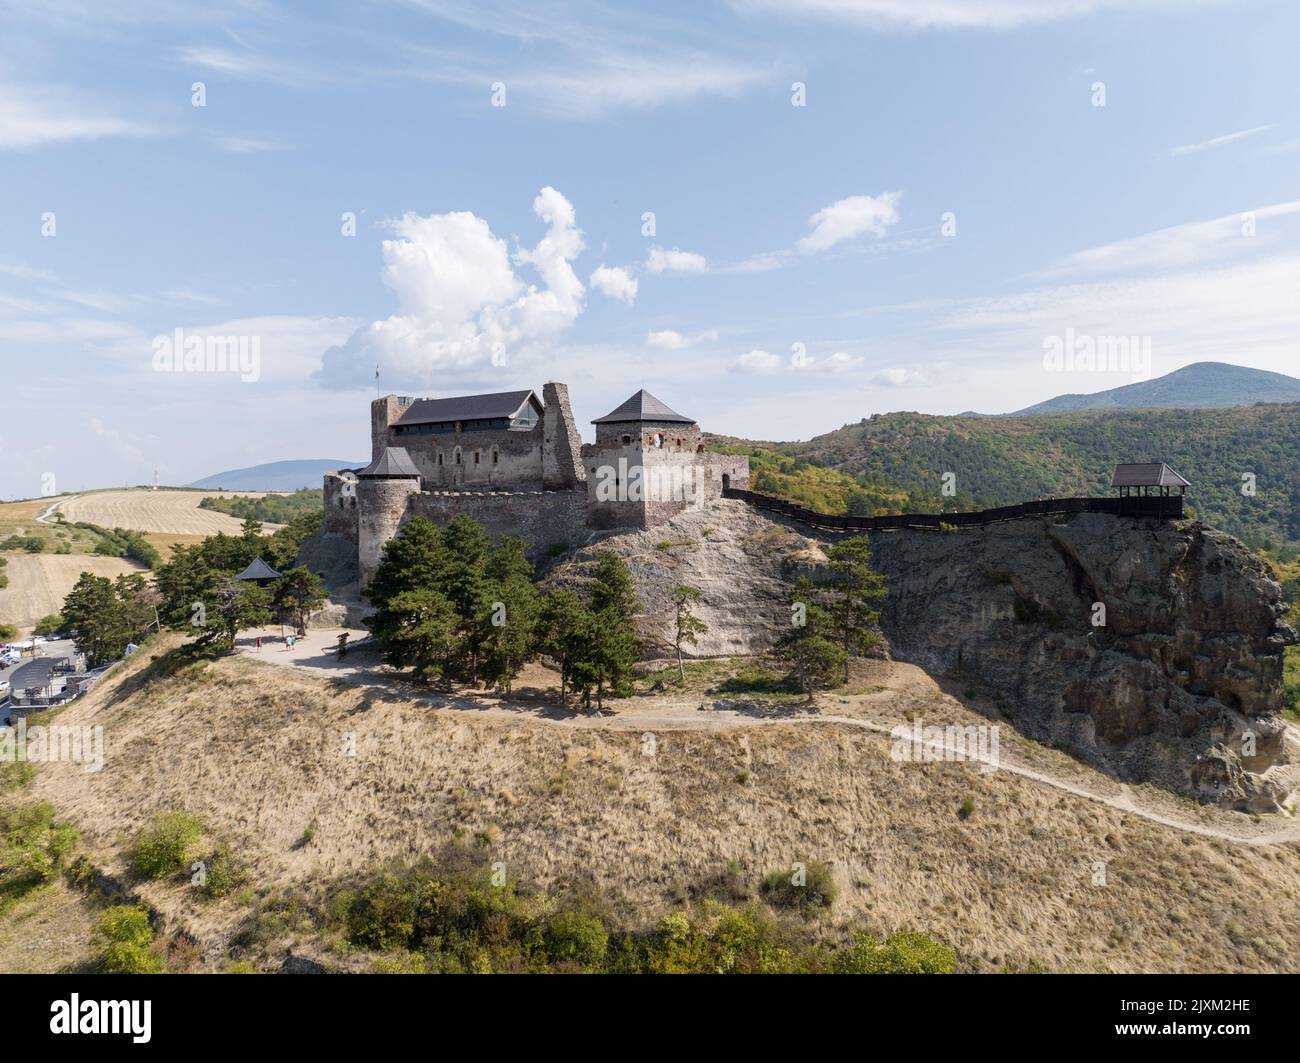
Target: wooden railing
1162, 507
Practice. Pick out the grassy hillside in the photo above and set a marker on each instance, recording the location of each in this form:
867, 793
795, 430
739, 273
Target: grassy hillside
1002, 460
1215, 384
1001, 865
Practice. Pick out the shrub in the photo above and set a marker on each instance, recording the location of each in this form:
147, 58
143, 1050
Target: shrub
897, 954
222, 873
33, 848
966, 809
817, 889
163, 848
125, 936
576, 937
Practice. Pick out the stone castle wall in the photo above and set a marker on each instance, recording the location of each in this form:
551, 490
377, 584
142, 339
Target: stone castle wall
340, 512
543, 519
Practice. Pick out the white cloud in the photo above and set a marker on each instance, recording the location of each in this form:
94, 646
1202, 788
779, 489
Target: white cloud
1188, 244
461, 307
851, 217
671, 340
616, 282
757, 362
949, 14
839, 362
36, 116
675, 261
248, 145
913, 377
1218, 142
249, 66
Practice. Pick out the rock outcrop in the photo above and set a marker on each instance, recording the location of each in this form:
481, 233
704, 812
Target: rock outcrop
742, 563
1152, 650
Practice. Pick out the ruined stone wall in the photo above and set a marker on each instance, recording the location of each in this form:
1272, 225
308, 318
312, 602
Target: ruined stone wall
562, 467
340, 512
543, 519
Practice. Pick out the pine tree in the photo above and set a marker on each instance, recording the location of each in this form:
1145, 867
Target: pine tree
298, 592
687, 626
511, 637
563, 628
420, 631
852, 588
814, 659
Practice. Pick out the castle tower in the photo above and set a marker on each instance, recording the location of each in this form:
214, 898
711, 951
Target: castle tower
645, 466
384, 490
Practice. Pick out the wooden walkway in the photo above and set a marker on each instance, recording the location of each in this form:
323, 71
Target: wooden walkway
1160, 507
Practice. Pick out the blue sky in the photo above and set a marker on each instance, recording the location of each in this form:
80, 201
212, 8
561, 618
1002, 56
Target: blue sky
800, 274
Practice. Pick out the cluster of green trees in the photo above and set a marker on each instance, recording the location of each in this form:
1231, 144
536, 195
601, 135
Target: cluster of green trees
33, 544
834, 618
194, 591
122, 542
1003, 460
452, 605
271, 509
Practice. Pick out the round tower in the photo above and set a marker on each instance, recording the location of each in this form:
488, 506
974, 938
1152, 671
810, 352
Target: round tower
384, 489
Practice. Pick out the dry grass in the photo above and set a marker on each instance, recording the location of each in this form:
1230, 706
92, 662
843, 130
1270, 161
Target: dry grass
38, 583
164, 512
257, 752
48, 931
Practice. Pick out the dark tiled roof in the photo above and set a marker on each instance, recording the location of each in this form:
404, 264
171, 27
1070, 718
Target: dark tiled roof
466, 408
394, 463
643, 407
259, 569
1147, 474
35, 673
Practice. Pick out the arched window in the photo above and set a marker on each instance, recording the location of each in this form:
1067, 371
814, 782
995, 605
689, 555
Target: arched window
477, 455
458, 456
627, 440
495, 456
659, 439
440, 457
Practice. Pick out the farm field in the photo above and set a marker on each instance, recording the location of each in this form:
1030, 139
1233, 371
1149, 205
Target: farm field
174, 513
38, 583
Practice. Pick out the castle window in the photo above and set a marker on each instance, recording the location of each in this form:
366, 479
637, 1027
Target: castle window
495, 455
440, 457
477, 455
659, 439
679, 442
458, 456
627, 440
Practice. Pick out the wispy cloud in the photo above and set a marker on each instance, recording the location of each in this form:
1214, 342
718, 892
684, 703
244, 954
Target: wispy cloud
952, 14
249, 145
1191, 243
36, 116
249, 65
1218, 142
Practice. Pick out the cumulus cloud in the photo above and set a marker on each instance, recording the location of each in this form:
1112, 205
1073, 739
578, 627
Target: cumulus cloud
675, 261
616, 282
757, 362
914, 377
851, 217
461, 305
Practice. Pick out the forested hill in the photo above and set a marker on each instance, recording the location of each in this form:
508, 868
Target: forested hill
1002, 460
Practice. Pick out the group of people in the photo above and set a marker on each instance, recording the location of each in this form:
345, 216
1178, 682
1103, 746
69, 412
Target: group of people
290, 641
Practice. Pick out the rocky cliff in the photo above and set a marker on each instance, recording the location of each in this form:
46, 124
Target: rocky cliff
1152, 650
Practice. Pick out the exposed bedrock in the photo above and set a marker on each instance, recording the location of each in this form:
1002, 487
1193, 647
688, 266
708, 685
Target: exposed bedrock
1152, 650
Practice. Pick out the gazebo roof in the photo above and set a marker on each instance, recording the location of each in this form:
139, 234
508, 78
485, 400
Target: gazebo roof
258, 570
1147, 474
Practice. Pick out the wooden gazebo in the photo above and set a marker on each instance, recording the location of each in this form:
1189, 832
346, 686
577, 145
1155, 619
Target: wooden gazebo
1147, 478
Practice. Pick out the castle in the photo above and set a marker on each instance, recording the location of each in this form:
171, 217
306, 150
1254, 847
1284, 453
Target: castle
517, 465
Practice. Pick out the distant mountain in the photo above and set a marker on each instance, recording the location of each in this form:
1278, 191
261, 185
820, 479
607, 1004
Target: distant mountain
275, 475
1203, 385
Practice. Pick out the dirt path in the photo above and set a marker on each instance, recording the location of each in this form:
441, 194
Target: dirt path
362, 667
